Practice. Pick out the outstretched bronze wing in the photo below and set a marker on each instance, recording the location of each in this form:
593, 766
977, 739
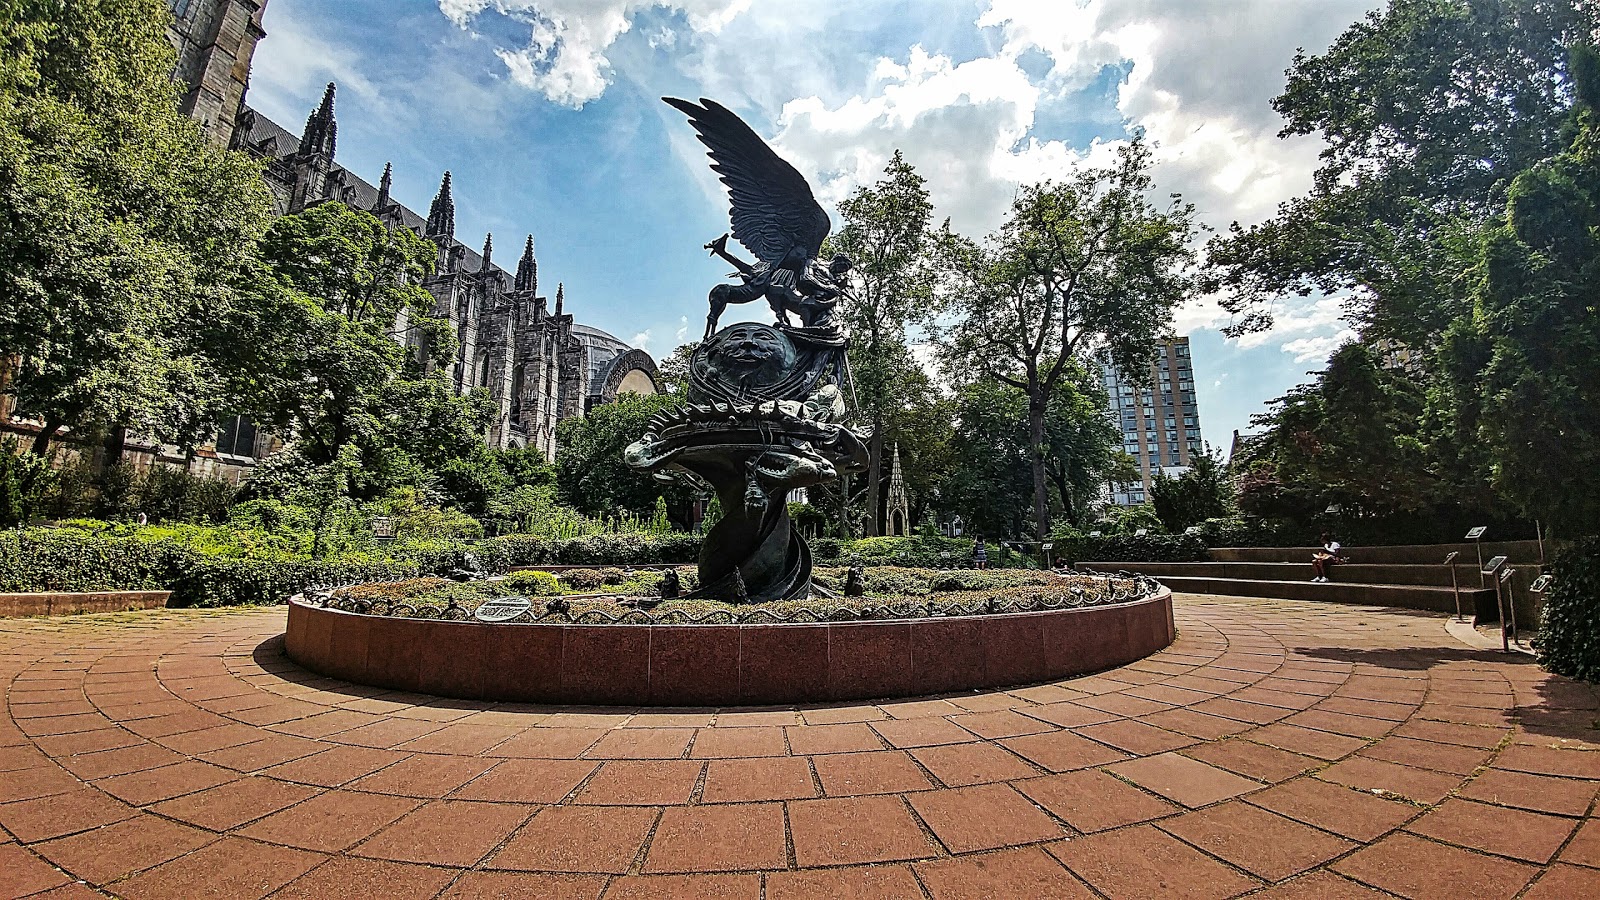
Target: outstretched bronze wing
770, 204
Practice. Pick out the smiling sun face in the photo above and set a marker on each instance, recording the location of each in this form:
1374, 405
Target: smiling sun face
749, 355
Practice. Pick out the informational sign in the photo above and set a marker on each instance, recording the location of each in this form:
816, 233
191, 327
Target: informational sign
383, 528
502, 609
1539, 584
1451, 557
944, 554
1094, 534
1477, 532
1047, 546
1192, 529
1494, 564
1506, 575
1141, 532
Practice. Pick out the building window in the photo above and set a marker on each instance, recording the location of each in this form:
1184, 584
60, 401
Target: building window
1182, 351
180, 8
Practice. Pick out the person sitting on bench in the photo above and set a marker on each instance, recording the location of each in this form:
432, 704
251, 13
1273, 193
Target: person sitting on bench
1325, 557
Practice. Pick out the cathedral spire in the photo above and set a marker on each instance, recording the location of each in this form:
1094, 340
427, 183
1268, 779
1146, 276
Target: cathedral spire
321, 130
442, 214
488, 253
561, 296
384, 184
527, 269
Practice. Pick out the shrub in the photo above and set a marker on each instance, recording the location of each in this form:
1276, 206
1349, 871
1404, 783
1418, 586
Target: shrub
582, 579
532, 584
895, 580
1133, 548
1569, 626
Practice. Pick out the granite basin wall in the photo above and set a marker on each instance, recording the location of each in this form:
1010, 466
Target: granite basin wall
723, 665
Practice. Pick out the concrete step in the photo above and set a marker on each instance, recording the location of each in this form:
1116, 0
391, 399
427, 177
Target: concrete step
1521, 553
1436, 575
1477, 602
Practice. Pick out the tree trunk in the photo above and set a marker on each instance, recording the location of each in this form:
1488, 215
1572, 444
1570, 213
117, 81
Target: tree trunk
1041, 484
116, 440
874, 477
41, 441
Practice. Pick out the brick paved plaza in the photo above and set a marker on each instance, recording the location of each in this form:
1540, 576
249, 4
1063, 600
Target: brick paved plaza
1287, 749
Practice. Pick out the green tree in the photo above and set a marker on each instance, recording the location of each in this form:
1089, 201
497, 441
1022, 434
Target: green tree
591, 475
1203, 492
1523, 376
336, 338
885, 232
1083, 267
126, 231
1427, 108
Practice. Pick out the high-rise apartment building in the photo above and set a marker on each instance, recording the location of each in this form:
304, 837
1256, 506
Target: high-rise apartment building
1159, 420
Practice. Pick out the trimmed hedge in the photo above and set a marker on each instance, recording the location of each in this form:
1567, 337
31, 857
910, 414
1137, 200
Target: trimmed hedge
1569, 626
1132, 548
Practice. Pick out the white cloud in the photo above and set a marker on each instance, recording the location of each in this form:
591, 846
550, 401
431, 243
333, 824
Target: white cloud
299, 64
1317, 349
565, 56
682, 333
641, 340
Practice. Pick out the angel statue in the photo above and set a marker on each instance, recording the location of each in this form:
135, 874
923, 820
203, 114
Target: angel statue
775, 216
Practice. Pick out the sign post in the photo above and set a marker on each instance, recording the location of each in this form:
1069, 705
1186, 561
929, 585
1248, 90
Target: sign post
1047, 547
1476, 536
1511, 606
1450, 561
1490, 570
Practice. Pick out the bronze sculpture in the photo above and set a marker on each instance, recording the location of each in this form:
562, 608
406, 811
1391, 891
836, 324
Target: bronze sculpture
766, 404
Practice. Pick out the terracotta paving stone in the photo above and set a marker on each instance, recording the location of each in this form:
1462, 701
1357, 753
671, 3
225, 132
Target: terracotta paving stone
22, 873
1319, 886
983, 817
595, 839
922, 732
334, 766
1428, 755
446, 832
1550, 761
375, 878
855, 830
664, 718
1252, 760
59, 814
527, 781
1541, 793
1125, 704
806, 740
424, 775
1339, 723
385, 733
1413, 867
1532, 837
105, 763
1421, 785
232, 804
208, 739
231, 867
467, 740
1136, 737
1195, 724
1280, 699
550, 743
1023, 872
1254, 713
38, 781
1266, 845
1184, 780
332, 821
1584, 848
115, 850
1000, 724
1094, 801
684, 887
746, 780
642, 743
642, 782
717, 838
1452, 733
757, 717
1146, 862
272, 750
1355, 815
519, 885
893, 882
1164, 693
1372, 709
732, 743
958, 765
840, 715
878, 772
1307, 741
326, 724
1062, 751
1565, 883
1069, 715
918, 709
88, 741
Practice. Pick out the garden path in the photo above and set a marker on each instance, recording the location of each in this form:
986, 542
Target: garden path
1278, 749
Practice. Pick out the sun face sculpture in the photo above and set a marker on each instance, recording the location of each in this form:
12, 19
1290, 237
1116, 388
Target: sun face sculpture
747, 357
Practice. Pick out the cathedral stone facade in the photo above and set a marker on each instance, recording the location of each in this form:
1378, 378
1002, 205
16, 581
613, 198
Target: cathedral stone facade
536, 362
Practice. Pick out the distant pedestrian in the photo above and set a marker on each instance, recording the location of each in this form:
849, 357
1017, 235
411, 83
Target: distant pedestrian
143, 520
1324, 557
980, 554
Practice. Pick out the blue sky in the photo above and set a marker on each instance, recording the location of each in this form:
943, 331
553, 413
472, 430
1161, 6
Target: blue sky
547, 113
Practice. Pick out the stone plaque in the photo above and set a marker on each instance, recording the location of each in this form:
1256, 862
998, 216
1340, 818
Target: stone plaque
502, 609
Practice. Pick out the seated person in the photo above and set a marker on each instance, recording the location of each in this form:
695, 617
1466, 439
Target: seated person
1323, 558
